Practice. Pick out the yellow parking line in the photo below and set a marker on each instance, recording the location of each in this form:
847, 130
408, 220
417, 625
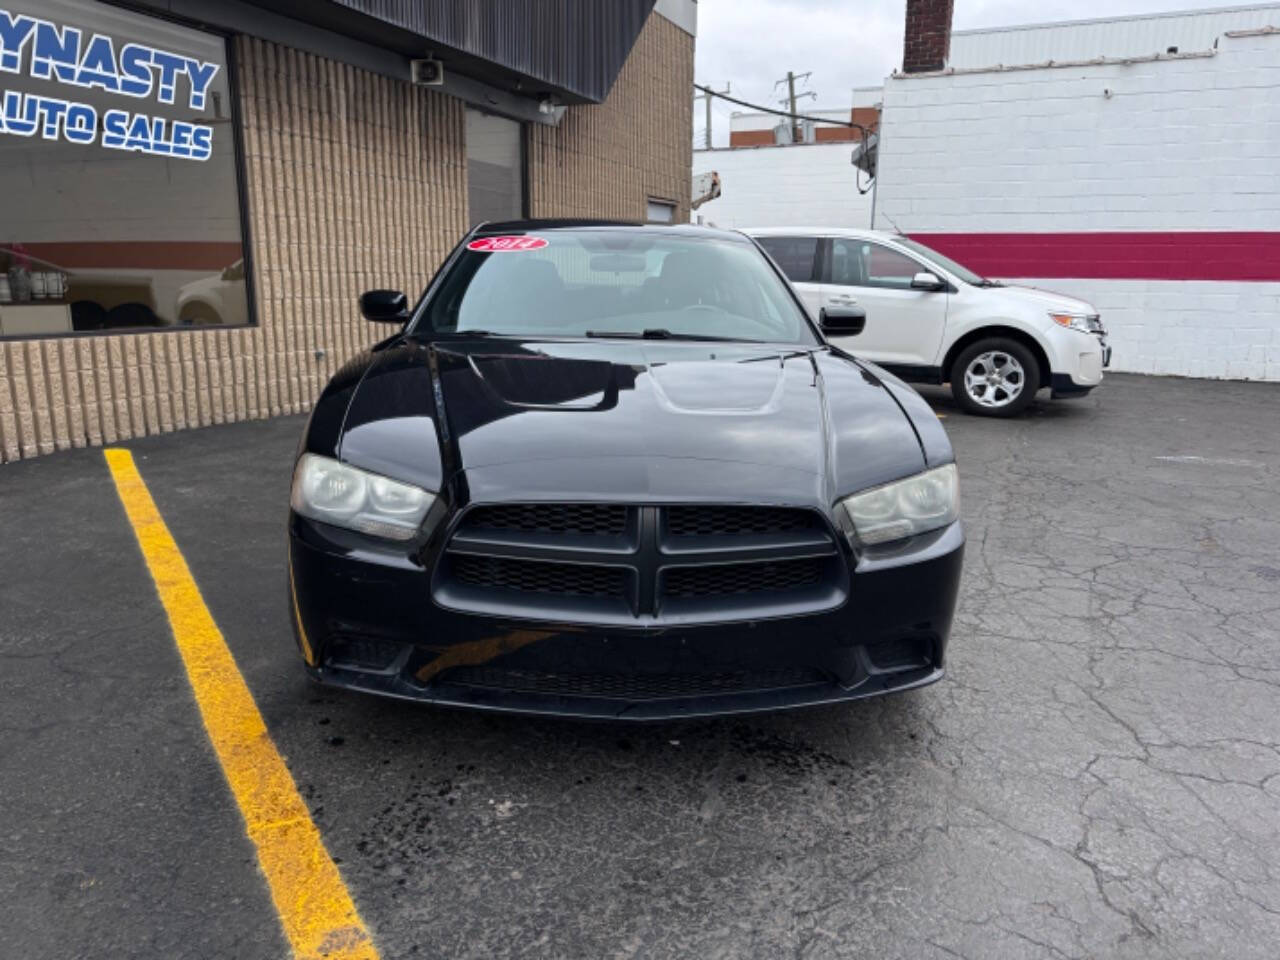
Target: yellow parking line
317, 912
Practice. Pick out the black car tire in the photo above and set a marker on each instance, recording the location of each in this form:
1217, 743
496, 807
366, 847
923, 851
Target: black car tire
1026, 368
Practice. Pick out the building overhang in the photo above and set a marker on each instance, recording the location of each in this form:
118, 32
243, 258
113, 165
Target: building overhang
569, 51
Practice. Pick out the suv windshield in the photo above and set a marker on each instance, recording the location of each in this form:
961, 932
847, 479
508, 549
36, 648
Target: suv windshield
616, 282
963, 272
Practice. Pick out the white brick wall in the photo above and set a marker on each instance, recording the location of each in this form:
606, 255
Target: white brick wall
1179, 145
1190, 329
805, 185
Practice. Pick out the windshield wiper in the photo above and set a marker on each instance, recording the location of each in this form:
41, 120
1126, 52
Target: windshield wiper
984, 282
658, 333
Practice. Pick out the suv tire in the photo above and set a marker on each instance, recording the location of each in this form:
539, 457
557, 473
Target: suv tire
995, 377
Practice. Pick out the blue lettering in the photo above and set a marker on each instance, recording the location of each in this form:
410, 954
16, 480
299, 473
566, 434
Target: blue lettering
181, 145
170, 66
98, 65
15, 31
159, 143
56, 54
19, 121
81, 125
54, 111
202, 142
139, 136
115, 125
202, 75
135, 70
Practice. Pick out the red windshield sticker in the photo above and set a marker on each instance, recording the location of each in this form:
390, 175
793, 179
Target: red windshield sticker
507, 244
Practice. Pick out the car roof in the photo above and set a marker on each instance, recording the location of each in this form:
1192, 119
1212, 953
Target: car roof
549, 224
821, 232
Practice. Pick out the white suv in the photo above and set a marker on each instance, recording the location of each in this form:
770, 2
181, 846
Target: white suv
931, 320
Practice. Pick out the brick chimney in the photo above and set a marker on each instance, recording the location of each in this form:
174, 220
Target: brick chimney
928, 39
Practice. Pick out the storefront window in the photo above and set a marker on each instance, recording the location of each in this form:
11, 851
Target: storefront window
119, 193
495, 168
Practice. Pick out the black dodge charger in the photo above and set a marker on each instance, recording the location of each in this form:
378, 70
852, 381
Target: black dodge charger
611, 470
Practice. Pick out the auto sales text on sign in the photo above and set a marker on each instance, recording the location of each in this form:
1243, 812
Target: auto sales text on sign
67, 56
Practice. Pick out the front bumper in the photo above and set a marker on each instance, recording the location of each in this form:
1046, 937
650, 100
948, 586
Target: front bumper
367, 622
1079, 361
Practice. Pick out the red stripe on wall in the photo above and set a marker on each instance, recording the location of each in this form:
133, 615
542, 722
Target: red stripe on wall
139, 255
1185, 255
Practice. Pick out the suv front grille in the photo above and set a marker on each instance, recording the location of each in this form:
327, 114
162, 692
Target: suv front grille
640, 564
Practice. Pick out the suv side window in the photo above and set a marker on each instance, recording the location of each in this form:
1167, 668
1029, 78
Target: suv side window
797, 256
862, 263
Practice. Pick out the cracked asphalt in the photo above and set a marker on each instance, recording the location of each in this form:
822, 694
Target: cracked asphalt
1098, 776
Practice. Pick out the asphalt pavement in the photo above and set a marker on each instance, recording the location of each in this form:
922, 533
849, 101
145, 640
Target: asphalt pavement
1098, 776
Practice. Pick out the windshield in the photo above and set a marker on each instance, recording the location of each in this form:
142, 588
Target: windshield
963, 272
615, 282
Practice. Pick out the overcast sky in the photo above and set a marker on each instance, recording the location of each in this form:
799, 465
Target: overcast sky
848, 43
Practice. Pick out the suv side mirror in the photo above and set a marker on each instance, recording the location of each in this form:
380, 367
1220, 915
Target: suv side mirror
385, 306
928, 281
842, 321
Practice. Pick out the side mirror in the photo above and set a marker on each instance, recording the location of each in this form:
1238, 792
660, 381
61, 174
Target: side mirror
385, 306
928, 281
842, 321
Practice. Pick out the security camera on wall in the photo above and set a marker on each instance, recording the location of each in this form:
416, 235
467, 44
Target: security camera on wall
427, 73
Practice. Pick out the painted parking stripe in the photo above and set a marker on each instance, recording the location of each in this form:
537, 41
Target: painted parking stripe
317, 913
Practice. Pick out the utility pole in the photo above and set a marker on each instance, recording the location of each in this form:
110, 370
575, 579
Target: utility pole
708, 97
789, 101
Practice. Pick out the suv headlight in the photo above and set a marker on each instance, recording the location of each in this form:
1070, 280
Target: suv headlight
333, 492
918, 504
1085, 323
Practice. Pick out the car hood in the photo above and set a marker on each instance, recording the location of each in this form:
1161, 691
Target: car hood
643, 420
1045, 299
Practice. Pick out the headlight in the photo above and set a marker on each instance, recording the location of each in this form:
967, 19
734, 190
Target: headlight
918, 504
333, 492
1074, 321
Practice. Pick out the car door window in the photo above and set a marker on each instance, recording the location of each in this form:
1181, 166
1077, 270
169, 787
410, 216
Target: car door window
862, 263
795, 255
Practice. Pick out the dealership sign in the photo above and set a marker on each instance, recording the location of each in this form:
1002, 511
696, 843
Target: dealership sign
65, 55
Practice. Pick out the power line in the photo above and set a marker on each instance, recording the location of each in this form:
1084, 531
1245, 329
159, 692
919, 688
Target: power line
780, 113
790, 99
707, 96
864, 133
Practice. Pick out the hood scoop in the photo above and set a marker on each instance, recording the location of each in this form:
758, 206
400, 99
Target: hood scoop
750, 386
543, 382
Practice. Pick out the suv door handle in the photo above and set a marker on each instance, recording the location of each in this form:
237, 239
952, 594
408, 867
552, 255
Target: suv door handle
842, 300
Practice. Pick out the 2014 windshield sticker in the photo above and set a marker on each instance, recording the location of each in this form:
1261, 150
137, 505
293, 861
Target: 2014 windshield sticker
507, 244
64, 55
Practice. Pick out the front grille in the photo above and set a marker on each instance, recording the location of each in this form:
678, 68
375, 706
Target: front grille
592, 519
633, 686
714, 521
624, 564
537, 576
731, 579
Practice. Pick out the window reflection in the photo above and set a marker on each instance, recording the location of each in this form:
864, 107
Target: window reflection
116, 224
